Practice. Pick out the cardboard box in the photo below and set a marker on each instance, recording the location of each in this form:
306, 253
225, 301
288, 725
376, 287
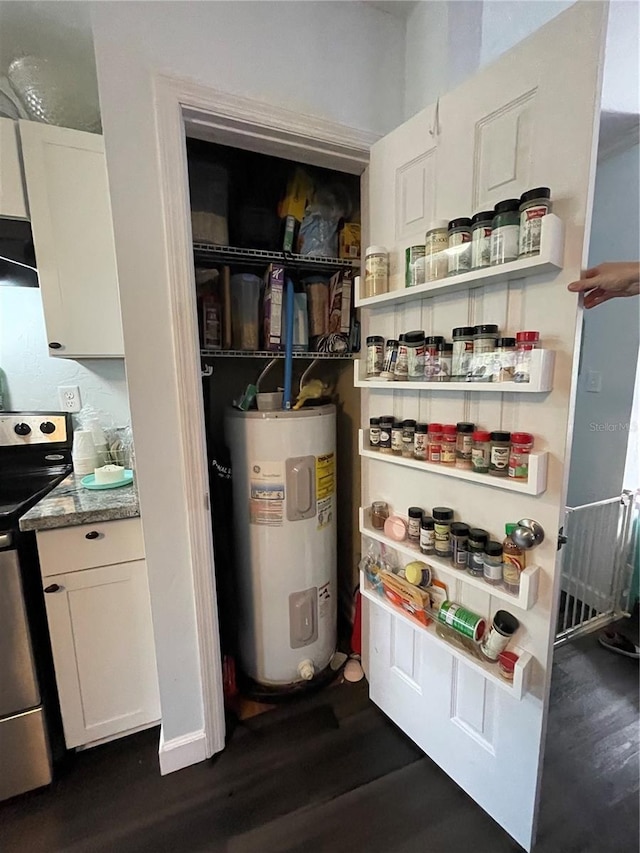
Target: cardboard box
350, 241
273, 304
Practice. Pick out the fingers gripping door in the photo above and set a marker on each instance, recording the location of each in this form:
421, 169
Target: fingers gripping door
301, 487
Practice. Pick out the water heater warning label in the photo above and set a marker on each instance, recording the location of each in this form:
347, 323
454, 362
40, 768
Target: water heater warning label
266, 504
325, 488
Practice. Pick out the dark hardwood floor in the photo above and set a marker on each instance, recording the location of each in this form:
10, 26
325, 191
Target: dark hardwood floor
330, 773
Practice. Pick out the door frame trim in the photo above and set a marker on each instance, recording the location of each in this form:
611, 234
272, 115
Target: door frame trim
230, 119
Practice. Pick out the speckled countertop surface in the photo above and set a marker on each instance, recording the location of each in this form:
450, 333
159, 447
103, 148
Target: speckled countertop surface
70, 503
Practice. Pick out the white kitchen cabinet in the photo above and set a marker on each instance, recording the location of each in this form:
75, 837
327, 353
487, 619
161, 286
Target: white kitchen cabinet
66, 181
13, 201
103, 648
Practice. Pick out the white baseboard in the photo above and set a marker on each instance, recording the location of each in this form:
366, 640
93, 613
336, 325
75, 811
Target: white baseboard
181, 751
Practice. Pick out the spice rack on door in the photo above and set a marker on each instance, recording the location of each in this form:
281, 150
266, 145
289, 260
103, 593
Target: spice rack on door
525, 599
517, 688
550, 259
540, 379
534, 485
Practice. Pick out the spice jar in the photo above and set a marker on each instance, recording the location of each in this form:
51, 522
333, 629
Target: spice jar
420, 442
374, 433
414, 266
495, 641
506, 664
534, 204
386, 427
376, 270
389, 361
401, 372
415, 356
449, 441
459, 251
499, 454
459, 544
484, 338
492, 562
375, 350
396, 438
462, 352
506, 354
481, 451
413, 528
434, 443
464, 445
505, 232
427, 535
445, 362
408, 438
442, 518
512, 561
418, 573
481, 226
379, 514
521, 447
436, 245
477, 542
432, 348
525, 342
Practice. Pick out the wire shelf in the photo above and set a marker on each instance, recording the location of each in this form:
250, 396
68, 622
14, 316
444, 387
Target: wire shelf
260, 257
233, 353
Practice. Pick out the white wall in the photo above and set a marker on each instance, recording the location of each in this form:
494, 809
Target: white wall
610, 341
33, 377
341, 61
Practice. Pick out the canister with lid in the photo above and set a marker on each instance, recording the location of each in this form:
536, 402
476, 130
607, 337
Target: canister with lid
401, 371
375, 351
376, 270
492, 562
477, 541
396, 437
481, 226
505, 233
459, 544
408, 438
374, 433
449, 441
413, 528
433, 347
420, 442
521, 447
427, 535
481, 451
499, 458
534, 205
386, 427
459, 251
462, 352
506, 353
414, 266
442, 517
415, 355
436, 245
464, 445
484, 338
495, 641
442, 371
434, 443
525, 342
389, 361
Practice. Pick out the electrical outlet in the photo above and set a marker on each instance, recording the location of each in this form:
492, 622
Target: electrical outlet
593, 381
69, 397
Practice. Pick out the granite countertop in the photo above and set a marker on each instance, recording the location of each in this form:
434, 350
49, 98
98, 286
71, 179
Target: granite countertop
70, 503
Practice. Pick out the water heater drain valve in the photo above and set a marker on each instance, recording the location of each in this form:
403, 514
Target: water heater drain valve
306, 669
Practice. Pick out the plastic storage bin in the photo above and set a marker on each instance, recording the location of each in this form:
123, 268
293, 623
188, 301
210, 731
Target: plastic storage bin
245, 305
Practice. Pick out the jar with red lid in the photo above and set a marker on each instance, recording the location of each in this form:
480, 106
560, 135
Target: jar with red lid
481, 451
434, 443
521, 447
464, 445
525, 342
449, 440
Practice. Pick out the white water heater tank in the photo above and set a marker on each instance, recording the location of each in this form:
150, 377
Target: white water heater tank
284, 500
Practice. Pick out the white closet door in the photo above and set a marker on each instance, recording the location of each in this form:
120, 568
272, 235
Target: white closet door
528, 120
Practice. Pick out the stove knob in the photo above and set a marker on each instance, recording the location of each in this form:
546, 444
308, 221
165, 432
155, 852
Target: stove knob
47, 427
22, 429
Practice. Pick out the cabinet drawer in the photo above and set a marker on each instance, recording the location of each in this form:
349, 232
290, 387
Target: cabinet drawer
68, 549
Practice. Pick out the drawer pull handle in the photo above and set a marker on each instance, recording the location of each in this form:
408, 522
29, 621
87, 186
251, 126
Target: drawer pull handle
54, 587
92, 534
55, 345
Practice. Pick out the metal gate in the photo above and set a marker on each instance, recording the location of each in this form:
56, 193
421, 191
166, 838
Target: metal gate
597, 564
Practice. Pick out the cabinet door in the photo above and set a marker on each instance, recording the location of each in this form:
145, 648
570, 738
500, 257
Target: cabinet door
526, 121
103, 651
13, 202
66, 179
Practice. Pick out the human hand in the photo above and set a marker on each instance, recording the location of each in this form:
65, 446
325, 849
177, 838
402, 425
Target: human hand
608, 281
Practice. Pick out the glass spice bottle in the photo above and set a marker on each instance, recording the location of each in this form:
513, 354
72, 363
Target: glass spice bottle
415, 514
427, 535
477, 541
420, 442
433, 346
389, 362
442, 518
374, 433
481, 451
386, 426
376, 270
415, 355
401, 369
445, 359
521, 447
464, 445
375, 354
499, 458
459, 252
506, 355
512, 561
396, 438
534, 205
436, 245
459, 544
449, 440
462, 352
492, 562
408, 438
481, 225
379, 514
505, 231
525, 342
434, 443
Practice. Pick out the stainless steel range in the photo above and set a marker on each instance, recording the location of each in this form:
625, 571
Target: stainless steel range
35, 455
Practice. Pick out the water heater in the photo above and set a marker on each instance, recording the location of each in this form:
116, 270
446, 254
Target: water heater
284, 497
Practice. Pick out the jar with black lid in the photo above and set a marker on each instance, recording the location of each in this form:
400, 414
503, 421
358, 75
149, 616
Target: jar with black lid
415, 355
427, 535
505, 233
459, 544
420, 442
506, 356
477, 541
401, 369
375, 355
396, 437
408, 438
459, 253
464, 445
462, 352
432, 348
484, 338
374, 433
442, 517
389, 361
481, 227
534, 205
386, 426
499, 458
415, 514
493, 562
